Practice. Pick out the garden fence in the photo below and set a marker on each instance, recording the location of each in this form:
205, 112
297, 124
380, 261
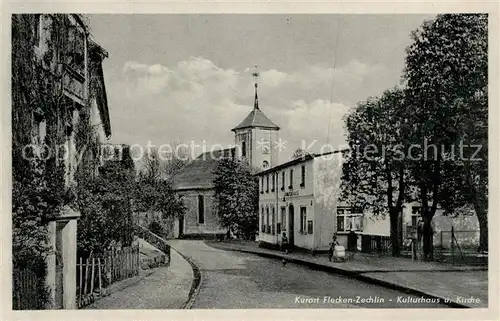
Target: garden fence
27, 290
96, 273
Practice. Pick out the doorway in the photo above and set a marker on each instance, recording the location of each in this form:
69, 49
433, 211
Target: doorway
290, 225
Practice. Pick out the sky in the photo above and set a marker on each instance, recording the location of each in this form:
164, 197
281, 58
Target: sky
187, 78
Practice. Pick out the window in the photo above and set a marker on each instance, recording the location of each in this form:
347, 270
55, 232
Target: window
267, 184
273, 231
283, 217
262, 222
303, 217
39, 128
415, 213
265, 164
282, 181
117, 153
273, 179
69, 122
243, 149
291, 179
268, 229
340, 223
262, 185
303, 176
349, 219
75, 50
309, 227
201, 209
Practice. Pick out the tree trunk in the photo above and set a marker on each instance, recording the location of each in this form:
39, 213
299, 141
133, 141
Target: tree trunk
482, 217
480, 202
394, 219
428, 238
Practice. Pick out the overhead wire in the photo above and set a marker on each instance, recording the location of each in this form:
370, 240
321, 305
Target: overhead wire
335, 54
332, 91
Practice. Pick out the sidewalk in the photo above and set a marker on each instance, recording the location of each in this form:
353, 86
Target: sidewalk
422, 278
165, 288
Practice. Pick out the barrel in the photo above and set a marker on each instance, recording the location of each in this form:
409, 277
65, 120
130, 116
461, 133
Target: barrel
339, 251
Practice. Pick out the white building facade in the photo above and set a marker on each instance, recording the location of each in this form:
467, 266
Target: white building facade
301, 198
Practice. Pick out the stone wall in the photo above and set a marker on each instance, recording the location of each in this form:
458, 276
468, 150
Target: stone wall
192, 224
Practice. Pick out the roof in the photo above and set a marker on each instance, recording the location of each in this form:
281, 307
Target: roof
297, 161
97, 84
256, 118
94, 46
200, 173
218, 154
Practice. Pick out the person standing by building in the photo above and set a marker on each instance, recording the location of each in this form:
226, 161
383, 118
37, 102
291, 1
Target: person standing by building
284, 243
333, 243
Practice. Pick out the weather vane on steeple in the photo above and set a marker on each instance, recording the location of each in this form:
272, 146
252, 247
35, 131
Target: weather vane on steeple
255, 75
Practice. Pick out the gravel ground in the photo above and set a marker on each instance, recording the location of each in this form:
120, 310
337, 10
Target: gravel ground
239, 281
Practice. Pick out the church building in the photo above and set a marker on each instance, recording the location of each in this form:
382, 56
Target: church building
255, 139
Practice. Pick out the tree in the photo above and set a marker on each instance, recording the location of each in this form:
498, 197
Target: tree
299, 153
154, 192
158, 196
236, 197
174, 162
374, 171
446, 73
151, 165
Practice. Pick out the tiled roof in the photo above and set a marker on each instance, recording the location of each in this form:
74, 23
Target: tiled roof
306, 157
256, 118
199, 173
218, 154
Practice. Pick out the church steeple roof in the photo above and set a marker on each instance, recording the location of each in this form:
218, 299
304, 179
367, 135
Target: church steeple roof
256, 99
256, 117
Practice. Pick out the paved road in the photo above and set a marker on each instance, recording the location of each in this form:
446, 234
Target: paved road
241, 281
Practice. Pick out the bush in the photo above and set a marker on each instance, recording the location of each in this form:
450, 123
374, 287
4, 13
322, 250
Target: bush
105, 205
156, 228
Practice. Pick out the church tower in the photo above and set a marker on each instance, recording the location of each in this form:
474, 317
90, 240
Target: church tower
256, 136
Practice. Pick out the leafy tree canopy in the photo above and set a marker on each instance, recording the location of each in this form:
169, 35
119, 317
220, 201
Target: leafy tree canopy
236, 197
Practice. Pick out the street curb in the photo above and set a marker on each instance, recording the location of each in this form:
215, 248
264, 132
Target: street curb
352, 274
195, 285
